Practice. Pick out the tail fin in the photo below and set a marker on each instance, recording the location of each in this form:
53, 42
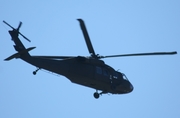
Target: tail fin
19, 47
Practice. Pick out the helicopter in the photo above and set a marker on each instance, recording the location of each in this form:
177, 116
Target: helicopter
88, 71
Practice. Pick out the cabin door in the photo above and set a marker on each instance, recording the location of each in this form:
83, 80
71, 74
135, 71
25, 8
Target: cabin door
102, 74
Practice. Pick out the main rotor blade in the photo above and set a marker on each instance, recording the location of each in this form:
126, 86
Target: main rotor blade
141, 54
86, 36
54, 57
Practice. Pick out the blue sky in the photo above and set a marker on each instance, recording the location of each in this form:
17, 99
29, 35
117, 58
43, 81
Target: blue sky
115, 27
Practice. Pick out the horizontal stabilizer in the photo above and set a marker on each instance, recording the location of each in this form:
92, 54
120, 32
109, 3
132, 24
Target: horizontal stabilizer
17, 55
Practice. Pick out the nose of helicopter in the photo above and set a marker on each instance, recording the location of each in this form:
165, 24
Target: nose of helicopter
130, 87
126, 87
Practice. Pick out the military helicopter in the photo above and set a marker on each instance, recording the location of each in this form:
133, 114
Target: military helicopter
88, 71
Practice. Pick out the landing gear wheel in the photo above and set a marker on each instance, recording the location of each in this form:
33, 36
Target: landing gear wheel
34, 72
96, 95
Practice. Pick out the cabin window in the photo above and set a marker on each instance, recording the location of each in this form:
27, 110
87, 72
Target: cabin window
98, 70
105, 72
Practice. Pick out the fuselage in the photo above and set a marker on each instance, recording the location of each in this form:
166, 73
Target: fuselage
87, 72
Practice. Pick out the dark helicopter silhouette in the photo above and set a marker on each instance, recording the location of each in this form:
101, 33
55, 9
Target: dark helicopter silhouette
87, 71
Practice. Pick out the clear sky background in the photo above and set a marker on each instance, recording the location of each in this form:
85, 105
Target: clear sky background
115, 27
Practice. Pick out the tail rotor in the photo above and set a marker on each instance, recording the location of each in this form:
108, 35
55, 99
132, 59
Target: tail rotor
19, 26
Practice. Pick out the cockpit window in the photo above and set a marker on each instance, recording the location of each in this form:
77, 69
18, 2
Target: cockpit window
124, 76
115, 75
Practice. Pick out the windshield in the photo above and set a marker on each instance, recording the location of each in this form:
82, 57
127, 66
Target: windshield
121, 76
124, 76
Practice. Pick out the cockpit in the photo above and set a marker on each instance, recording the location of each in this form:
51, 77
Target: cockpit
119, 75
110, 72
119, 81
126, 86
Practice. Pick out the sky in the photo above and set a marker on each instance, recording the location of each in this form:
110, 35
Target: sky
115, 27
